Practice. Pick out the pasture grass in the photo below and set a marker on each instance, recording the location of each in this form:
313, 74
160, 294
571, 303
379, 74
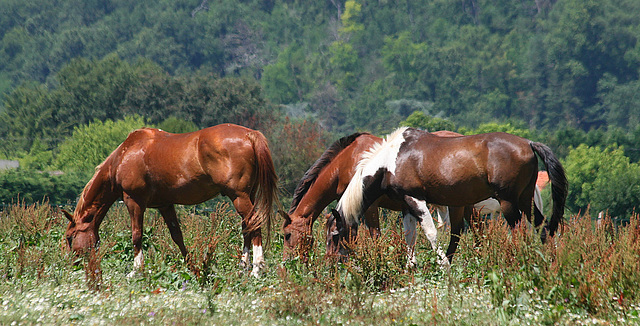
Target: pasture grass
587, 275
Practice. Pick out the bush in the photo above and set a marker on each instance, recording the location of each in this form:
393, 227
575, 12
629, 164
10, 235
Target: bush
29, 186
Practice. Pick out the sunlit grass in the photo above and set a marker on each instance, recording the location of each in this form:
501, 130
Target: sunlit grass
589, 274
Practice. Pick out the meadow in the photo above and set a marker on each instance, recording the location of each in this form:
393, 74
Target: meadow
589, 274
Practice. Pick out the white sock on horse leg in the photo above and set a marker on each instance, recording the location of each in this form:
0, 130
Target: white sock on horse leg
410, 236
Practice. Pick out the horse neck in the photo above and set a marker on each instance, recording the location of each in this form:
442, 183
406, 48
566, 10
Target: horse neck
318, 196
96, 199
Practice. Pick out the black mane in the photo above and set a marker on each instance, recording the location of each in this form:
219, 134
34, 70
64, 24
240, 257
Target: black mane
312, 174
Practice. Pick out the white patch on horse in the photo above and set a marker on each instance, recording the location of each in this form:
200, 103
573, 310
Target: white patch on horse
258, 260
244, 261
138, 261
488, 206
443, 215
382, 155
138, 264
491, 206
428, 227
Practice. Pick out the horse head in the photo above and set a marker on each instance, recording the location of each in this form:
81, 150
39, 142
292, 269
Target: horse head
297, 236
81, 236
337, 233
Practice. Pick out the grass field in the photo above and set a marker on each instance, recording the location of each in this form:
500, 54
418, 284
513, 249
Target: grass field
588, 275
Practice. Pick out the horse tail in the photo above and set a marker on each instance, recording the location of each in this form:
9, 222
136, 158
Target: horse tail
559, 184
266, 193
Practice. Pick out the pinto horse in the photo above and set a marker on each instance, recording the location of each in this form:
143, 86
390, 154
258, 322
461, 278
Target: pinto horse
418, 167
326, 180
157, 169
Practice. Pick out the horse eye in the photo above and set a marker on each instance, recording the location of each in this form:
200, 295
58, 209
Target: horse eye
287, 237
70, 241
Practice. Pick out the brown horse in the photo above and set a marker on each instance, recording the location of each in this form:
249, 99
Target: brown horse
157, 169
417, 168
325, 181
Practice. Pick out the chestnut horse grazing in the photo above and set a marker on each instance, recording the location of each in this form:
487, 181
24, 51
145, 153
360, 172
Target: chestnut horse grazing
417, 168
157, 169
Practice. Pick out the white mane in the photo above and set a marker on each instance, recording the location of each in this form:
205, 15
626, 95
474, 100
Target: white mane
380, 155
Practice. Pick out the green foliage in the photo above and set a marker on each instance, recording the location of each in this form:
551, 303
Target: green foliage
418, 119
508, 127
282, 81
353, 65
587, 273
38, 158
295, 145
350, 17
603, 179
178, 126
91, 144
30, 186
548, 62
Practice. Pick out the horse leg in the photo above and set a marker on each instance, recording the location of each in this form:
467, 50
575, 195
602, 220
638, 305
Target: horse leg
372, 221
419, 209
510, 212
443, 215
457, 217
409, 228
171, 219
136, 212
244, 207
525, 202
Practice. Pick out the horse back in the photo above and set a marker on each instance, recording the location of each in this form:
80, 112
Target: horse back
476, 165
184, 168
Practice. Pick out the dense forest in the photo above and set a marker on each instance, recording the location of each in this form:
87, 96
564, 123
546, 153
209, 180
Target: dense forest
77, 76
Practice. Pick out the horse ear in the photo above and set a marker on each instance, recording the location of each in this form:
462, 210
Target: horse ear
68, 215
287, 219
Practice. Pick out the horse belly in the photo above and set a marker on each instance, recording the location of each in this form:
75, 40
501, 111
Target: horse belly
188, 194
462, 195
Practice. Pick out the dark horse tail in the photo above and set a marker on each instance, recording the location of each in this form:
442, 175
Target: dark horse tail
559, 183
266, 193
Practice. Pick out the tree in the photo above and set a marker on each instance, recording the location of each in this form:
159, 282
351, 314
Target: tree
514, 129
603, 179
282, 80
30, 186
91, 144
295, 145
178, 126
419, 119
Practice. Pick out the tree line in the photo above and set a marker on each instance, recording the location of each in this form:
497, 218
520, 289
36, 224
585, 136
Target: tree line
561, 72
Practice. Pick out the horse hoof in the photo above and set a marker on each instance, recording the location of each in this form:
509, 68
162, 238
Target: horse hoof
134, 273
257, 271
